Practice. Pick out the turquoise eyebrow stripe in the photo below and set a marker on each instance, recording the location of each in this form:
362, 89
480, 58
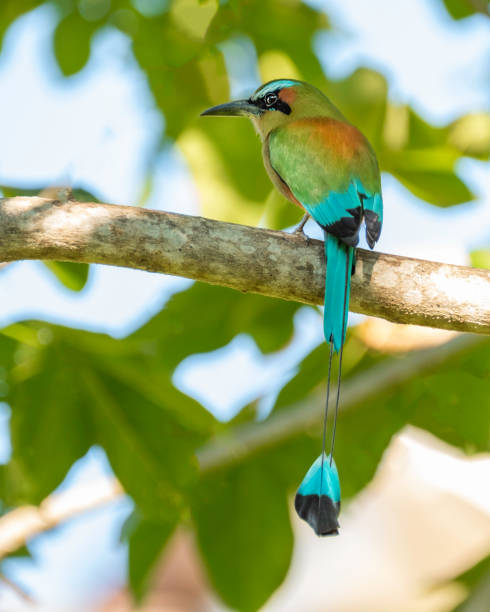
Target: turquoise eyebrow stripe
273, 87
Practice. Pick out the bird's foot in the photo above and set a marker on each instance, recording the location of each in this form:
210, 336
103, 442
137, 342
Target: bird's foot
299, 229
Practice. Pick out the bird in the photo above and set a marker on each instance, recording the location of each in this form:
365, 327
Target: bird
322, 163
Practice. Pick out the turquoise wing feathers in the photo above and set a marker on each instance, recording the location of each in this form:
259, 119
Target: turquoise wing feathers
332, 171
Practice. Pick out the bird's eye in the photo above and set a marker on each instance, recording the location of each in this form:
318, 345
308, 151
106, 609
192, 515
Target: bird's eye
270, 99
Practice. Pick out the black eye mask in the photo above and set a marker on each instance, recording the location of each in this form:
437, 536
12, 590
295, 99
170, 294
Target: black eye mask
279, 105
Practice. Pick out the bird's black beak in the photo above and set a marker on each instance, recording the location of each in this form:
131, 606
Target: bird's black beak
233, 109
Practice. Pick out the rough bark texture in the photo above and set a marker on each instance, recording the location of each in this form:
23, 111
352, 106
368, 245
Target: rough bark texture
262, 261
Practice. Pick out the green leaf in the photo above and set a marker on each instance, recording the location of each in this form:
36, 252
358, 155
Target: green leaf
174, 46
471, 577
193, 16
470, 134
440, 188
186, 75
206, 317
423, 157
12, 192
280, 213
459, 9
240, 184
147, 541
243, 530
79, 194
254, 19
219, 180
73, 275
49, 191
22, 332
49, 428
72, 42
243, 164
422, 135
71, 389
477, 581
481, 258
10, 11
151, 454
453, 405
8, 347
22, 552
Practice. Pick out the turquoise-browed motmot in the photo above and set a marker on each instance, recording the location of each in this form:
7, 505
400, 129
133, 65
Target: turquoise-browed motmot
322, 163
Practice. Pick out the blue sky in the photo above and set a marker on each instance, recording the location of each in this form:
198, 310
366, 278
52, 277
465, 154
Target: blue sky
99, 128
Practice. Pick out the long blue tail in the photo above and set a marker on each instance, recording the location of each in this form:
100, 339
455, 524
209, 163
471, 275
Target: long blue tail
337, 290
318, 498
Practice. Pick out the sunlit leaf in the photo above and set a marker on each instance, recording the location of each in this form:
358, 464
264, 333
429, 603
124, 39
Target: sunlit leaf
72, 275
421, 134
470, 134
212, 67
439, 188
193, 16
481, 258
276, 64
431, 159
279, 212
219, 197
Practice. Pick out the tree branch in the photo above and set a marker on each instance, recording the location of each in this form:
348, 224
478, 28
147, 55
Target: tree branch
22, 524
262, 261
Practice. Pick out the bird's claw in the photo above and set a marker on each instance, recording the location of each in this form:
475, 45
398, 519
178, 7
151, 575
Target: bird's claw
299, 229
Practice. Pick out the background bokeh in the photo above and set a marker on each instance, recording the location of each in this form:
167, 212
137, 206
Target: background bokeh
105, 370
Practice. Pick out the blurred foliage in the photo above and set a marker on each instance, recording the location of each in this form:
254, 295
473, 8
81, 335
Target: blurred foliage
241, 517
71, 389
146, 539
477, 582
459, 9
72, 275
481, 258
